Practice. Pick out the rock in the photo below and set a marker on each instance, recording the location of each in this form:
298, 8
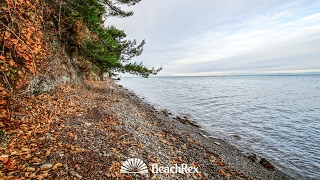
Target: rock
183, 120
46, 166
165, 112
104, 153
266, 163
30, 169
75, 174
237, 137
48, 135
205, 174
253, 157
193, 123
203, 135
217, 143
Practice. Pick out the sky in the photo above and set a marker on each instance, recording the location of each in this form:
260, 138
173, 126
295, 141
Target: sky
226, 37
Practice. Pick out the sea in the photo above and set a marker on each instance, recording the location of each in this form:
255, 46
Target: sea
276, 117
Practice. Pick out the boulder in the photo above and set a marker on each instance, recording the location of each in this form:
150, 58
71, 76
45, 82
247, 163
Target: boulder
193, 123
265, 163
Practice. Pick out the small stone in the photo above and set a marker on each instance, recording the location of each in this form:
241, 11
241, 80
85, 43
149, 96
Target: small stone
266, 163
203, 135
193, 123
30, 169
75, 174
45, 166
205, 174
217, 143
237, 137
165, 112
104, 153
253, 157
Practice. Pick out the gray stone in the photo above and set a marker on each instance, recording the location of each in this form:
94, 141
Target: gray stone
46, 166
253, 157
75, 174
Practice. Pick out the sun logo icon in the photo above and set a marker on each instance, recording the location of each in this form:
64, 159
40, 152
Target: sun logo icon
134, 165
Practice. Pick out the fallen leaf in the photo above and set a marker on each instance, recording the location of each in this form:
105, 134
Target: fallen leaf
222, 173
56, 166
2, 101
20, 72
71, 135
11, 63
4, 159
25, 149
7, 34
8, 163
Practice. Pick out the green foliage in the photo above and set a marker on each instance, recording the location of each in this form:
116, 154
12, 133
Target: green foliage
3, 136
37, 88
139, 69
113, 10
89, 11
112, 51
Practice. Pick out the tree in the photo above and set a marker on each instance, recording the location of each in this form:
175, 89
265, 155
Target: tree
112, 51
113, 10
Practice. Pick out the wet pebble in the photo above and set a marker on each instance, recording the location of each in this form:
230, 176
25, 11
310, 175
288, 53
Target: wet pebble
253, 157
266, 163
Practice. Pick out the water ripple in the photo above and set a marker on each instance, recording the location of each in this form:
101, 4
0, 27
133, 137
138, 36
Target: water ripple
275, 116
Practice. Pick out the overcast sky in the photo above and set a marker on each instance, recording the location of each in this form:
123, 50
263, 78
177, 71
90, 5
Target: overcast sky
217, 37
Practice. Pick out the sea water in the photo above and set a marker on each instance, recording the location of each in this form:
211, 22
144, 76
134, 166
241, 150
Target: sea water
276, 117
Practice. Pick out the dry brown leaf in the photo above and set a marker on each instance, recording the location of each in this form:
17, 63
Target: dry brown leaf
57, 165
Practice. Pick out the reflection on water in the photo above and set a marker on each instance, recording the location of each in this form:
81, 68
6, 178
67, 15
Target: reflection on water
278, 117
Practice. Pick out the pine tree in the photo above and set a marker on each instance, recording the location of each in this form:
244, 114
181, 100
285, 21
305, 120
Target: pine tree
112, 51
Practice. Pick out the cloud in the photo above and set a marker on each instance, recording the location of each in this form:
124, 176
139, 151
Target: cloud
216, 37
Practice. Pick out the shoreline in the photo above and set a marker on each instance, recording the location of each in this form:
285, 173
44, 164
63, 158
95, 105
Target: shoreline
231, 154
87, 131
